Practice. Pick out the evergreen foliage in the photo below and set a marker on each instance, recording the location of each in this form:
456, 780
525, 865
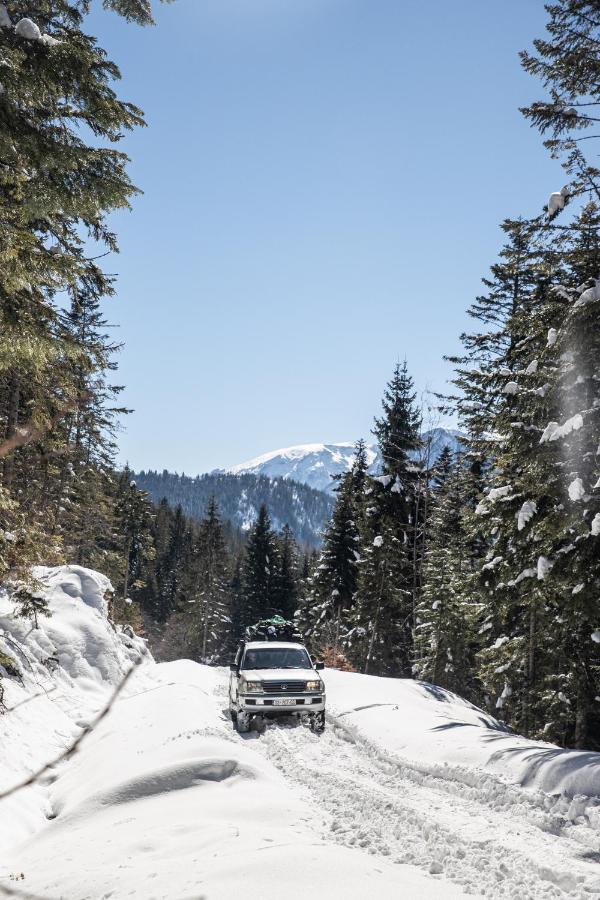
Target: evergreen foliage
261, 570
445, 637
303, 508
207, 590
330, 595
382, 618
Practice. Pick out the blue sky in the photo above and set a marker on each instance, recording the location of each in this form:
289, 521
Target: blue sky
323, 182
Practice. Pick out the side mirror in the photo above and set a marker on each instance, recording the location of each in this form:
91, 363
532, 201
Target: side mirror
234, 668
319, 666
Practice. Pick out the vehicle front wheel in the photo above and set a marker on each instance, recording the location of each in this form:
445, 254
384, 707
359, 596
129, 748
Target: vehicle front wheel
242, 722
233, 715
317, 722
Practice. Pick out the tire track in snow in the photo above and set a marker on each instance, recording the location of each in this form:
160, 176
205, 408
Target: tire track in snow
493, 846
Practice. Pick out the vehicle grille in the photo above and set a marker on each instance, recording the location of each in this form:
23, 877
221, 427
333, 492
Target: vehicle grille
284, 687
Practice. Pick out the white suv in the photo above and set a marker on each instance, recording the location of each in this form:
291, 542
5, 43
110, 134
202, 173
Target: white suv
275, 678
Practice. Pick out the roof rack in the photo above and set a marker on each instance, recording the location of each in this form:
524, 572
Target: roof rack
275, 629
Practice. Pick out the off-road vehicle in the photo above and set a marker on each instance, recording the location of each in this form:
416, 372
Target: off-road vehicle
275, 678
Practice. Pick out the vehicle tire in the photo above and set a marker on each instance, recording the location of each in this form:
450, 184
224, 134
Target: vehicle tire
317, 722
233, 715
242, 722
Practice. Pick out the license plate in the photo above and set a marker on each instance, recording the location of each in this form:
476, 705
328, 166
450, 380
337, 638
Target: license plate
285, 701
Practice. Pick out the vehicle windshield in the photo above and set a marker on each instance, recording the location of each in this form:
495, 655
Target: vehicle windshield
277, 658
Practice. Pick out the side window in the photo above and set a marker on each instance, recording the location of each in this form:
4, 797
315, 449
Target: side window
238, 656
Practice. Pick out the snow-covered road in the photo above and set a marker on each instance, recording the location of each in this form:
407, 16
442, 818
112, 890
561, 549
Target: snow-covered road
494, 843
411, 792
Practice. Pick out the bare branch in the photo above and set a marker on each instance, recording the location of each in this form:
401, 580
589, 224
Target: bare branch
69, 751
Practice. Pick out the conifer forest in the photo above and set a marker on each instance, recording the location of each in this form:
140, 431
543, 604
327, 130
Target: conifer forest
476, 569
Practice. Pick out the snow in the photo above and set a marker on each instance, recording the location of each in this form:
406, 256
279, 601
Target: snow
27, 29
378, 541
556, 201
498, 493
532, 367
411, 792
397, 486
595, 529
543, 567
526, 573
591, 295
511, 388
526, 513
163, 799
553, 431
552, 335
384, 480
4, 17
576, 490
596, 637
311, 464
67, 666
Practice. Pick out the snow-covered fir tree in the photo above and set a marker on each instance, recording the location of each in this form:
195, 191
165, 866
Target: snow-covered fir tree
446, 614
207, 598
325, 612
286, 590
382, 618
261, 571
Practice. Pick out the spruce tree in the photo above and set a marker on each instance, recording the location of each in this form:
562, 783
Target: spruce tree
60, 180
207, 593
261, 570
568, 65
333, 585
286, 590
446, 615
382, 619
237, 613
133, 521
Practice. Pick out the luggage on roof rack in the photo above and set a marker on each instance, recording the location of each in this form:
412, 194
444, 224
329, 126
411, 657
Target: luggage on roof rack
274, 629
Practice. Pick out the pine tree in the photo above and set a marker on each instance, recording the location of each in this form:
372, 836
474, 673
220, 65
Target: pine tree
208, 591
134, 524
380, 638
530, 522
446, 617
286, 590
237, 607
568, 65
30, 603
261, 568
60, 180
333, 585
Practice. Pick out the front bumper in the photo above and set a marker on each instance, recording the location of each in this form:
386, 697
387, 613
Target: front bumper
266, 705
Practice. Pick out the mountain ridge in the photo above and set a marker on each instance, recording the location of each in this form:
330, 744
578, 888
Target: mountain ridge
315, 464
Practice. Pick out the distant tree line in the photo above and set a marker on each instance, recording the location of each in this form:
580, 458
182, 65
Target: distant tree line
198, 584
303, 508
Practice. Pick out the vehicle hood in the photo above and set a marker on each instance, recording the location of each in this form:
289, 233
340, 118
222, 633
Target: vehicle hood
279, 674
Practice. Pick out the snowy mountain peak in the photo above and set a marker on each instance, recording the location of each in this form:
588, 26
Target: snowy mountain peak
311, 464
316, 464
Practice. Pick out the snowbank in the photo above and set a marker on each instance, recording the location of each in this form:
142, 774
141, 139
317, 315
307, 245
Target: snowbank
440, 733
66, 669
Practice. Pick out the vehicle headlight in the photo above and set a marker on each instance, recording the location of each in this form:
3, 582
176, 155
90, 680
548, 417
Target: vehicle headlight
314, 685
250, 687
